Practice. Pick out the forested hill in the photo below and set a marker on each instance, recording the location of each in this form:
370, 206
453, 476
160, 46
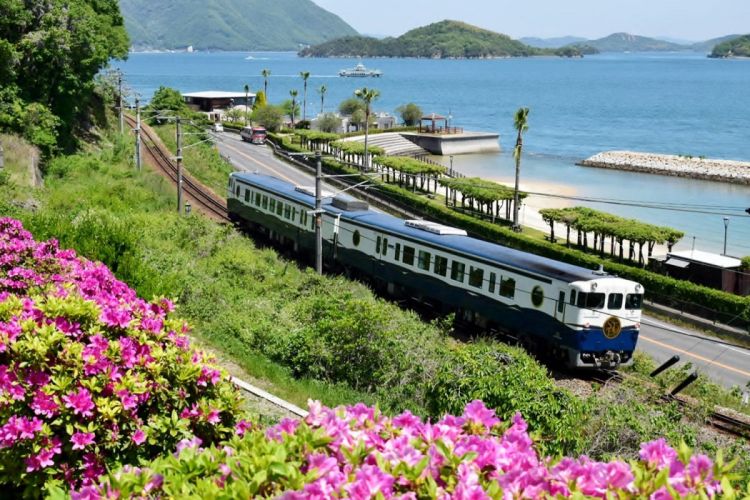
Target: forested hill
625, 42
445, 39
229, 24
737, 47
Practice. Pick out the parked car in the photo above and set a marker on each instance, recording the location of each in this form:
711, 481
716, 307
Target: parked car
218, 127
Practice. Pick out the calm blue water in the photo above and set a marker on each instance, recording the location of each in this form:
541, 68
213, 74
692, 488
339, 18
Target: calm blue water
665, 103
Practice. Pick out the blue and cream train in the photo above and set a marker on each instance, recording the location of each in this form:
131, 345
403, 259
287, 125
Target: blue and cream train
582, 317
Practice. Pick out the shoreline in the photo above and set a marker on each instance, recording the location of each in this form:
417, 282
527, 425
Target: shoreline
672, 165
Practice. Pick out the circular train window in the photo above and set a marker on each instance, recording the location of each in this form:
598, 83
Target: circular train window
537, 296
355, 238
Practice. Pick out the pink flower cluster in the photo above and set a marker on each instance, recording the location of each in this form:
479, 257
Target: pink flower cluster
89, 373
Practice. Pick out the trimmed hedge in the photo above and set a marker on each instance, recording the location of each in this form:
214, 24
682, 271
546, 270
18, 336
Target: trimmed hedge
708, 302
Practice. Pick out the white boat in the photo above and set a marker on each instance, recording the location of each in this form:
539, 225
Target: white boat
359, 71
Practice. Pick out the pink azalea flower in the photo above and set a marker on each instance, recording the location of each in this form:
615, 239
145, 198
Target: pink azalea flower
80, 402
213, 417
81, 440
242, 427
480, 414
139, 437
658, 453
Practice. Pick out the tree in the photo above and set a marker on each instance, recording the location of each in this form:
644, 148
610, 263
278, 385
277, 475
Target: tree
234, 115
322, 91
410, 113
269, 116
50, 52
293, 107
266, 73
260, 100
329, 122
167, 100
305, 75
349, 106
521, 125
247, 106
367, 96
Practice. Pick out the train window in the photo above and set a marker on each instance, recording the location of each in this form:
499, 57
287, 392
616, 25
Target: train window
614, 301
257, 199
356, 238
493, 280
561, 302
441, 265
287, 211
247, 195
423, 260
537, 296
279, 208
476, 276
408, 255
591, 300
272, 205
572, 297
378, 242
634, 301
265, 202
385, 246
508, 287
397, 255
458, 269
237, 191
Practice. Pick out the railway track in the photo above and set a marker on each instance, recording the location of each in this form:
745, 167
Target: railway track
206, 200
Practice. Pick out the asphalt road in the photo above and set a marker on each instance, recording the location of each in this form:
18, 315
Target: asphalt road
725, 364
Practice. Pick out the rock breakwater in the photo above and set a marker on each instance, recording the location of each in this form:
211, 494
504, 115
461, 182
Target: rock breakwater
680, 166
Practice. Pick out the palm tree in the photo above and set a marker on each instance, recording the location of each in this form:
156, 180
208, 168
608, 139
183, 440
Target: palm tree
521, 125
247, 91
322, 91
367, 96
265, 74
294, 94
305, 75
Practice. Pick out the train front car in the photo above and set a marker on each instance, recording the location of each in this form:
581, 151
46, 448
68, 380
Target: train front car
604, 318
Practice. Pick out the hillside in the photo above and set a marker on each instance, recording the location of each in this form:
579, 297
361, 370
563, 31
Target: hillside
625, 42
229, 24
709, 45
551, 43
442, 40
736, 47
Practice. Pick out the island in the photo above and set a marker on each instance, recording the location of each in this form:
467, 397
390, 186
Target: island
442, 40
736, 47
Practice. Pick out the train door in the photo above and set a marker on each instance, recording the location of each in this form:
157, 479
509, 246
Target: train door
560, 306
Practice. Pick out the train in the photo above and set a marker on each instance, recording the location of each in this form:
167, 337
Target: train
579, 318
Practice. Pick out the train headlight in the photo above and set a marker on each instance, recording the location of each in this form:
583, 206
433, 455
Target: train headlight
593, 287
637, 288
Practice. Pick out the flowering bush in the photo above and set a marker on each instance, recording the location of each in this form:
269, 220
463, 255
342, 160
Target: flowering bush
91, 376
357, 452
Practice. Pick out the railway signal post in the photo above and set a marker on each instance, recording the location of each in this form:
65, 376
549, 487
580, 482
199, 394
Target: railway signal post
138, 133
318, 213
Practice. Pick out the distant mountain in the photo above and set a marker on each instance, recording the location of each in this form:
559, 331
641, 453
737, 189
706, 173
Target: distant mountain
442, 40
736, 47
551, 43
709, 45
625, 42
229, 24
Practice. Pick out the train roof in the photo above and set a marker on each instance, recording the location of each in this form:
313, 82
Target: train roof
467, 245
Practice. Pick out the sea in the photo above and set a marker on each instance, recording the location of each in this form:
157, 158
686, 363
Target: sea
671, 103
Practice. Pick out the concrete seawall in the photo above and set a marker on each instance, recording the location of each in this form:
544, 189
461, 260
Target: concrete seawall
680, 166
456, 144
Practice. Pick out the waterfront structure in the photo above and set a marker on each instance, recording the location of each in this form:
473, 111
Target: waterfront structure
216, 103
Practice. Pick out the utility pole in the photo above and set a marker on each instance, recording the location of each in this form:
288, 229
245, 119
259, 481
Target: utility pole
2, 157
119, 92
138, 133
318, 213
179, 166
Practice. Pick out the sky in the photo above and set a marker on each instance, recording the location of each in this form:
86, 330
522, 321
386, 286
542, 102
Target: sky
678, 19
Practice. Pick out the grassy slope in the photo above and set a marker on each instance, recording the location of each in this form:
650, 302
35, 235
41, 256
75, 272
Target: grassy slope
230, 24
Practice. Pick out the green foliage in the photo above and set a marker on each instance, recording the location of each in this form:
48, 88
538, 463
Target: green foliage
50, 53
260, 100
349, 106
445, 39
238, 25
269, 116
509, 381
745, 263
736, 47
357, 148
329, 122
410, 113
409, 165
480, 189
168, 101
